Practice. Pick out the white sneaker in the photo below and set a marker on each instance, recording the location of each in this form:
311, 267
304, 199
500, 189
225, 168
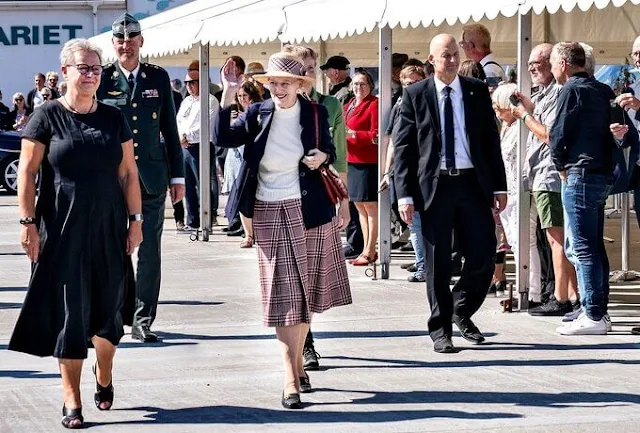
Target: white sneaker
584, 326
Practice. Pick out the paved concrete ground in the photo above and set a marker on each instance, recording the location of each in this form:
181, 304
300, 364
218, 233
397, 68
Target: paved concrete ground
218, 369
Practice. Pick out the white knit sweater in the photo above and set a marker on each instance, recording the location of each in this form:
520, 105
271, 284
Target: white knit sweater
278, 174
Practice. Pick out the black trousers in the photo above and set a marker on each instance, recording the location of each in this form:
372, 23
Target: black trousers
353, 230
148, 272
547, 274
458, 205
178, 212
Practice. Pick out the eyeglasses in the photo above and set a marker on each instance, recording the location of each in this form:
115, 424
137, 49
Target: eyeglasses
84, 69
360, 84
285, 85
635, 54
192, 82
461, 44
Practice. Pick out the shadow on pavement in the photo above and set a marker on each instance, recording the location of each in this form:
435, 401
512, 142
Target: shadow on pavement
28, 374
10, 305
190, 303
398, 363
252, 415
13, 289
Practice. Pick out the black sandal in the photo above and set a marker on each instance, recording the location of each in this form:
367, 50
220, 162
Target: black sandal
103, 394
71, 415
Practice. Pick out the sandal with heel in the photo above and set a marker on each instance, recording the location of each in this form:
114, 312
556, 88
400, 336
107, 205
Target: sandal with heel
104, 394
70, 416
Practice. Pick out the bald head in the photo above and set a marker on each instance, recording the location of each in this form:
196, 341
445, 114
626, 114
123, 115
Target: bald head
444, 55
540, 65
635, 53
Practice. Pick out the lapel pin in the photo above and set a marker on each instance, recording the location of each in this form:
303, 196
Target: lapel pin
115, 75
143, 75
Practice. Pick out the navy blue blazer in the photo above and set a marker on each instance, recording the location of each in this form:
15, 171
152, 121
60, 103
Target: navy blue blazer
252, 129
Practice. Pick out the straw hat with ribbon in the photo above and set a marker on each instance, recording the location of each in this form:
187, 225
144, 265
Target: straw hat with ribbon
284, 65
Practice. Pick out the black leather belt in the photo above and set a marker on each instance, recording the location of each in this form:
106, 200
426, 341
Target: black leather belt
457, 172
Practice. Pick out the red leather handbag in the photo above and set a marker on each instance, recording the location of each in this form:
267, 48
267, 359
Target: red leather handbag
330, 178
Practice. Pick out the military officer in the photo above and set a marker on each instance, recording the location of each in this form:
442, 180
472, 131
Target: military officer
143, 93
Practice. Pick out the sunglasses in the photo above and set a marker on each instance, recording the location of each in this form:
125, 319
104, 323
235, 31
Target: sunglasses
18, 99
46, 96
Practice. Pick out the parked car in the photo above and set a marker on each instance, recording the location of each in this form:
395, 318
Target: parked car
9, 157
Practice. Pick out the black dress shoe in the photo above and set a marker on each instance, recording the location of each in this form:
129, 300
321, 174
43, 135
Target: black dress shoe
232, 228
144, 334
291, 401
444, 345
238, 232
350, 253
468, 330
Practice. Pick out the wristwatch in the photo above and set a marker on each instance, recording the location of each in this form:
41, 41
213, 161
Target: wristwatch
27, 220
136, 217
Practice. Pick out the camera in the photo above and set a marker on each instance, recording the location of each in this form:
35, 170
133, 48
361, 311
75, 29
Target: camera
514, 100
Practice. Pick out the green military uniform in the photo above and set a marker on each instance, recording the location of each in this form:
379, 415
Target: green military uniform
149, 109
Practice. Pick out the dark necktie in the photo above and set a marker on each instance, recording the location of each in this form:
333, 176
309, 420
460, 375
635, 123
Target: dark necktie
449, 138
132, 81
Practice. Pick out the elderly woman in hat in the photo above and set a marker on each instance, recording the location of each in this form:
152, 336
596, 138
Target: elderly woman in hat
302, 269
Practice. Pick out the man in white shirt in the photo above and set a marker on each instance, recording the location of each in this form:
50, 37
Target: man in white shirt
188, 119
476, 43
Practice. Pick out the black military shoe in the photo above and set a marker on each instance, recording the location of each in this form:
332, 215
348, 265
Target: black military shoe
144, 334
309, 354
468, 330
444, 345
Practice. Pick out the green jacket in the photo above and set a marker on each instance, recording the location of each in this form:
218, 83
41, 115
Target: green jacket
336, 126
150, 112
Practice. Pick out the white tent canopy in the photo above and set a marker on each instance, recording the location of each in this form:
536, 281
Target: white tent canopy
253, 29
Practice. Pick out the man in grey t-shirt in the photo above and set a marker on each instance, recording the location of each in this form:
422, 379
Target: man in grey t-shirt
543, 180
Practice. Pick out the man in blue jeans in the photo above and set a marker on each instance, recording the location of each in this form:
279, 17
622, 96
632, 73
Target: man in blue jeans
582, 141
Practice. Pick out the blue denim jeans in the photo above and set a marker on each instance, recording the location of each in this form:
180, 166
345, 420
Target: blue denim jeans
192, 184
583, 198
416, 240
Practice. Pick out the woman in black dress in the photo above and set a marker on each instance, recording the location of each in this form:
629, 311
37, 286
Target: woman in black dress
76, 234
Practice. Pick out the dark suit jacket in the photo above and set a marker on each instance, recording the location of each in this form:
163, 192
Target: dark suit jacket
252, 128
418, 142
150, 111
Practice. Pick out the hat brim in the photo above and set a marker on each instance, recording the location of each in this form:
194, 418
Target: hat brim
264, 78
128, 36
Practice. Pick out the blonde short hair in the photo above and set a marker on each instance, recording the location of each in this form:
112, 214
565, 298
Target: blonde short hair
75, 45
479, 35
500, 96
53, 74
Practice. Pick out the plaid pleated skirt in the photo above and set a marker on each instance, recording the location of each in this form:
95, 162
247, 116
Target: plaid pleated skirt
301, 271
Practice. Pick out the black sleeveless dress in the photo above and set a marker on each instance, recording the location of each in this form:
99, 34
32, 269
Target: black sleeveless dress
77, 286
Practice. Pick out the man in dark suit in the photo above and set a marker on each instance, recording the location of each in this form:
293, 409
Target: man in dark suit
448, 166
143, 93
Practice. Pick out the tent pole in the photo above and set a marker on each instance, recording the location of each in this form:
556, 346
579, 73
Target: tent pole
322, 58
205, 149
524, 86
384, 201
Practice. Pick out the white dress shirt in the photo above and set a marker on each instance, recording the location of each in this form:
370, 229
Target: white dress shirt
188, 118
461, 140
